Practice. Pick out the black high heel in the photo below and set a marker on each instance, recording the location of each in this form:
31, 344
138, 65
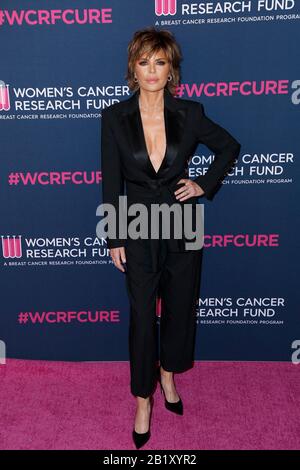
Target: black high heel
176, 407
140, 438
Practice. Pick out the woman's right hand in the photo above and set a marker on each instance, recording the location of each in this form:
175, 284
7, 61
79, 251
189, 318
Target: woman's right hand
118, 256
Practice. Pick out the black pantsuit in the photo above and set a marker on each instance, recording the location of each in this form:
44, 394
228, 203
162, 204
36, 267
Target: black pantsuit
164, 267
177, 281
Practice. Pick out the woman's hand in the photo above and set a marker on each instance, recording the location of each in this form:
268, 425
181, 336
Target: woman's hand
118, 256
190, 189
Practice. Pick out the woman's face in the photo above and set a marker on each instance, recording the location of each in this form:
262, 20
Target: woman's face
152, 73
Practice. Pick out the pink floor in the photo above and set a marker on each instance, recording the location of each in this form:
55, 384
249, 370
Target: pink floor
227, 405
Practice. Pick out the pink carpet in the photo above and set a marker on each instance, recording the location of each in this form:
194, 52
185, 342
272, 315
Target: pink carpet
227, 405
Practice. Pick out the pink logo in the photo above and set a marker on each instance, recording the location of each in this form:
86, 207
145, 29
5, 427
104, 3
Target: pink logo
4, 97
11, 247
165, 7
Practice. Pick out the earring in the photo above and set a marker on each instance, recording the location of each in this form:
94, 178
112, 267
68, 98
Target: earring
135, 79
169, 78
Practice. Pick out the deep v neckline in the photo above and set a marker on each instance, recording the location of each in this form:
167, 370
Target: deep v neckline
144, 139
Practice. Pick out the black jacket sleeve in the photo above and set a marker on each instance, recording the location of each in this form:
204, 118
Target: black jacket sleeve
225, 147
111, 171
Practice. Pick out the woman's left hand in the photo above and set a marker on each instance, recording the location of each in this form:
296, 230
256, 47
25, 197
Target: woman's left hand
190, 189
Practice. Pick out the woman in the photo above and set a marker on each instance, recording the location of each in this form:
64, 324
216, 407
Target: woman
146, 142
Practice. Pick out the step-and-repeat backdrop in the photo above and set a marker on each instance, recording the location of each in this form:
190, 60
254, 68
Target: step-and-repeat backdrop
62, 62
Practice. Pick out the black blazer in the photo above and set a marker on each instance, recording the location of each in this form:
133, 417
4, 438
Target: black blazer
125, 158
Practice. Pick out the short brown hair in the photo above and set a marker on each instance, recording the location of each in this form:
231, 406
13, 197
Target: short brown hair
149, 40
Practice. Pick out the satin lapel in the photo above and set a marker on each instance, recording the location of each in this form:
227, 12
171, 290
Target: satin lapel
175, 125
134, 131
175, 114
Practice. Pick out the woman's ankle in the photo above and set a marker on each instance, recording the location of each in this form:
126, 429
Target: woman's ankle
166, 376
142, 402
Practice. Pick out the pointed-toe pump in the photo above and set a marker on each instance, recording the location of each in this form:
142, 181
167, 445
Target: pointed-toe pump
139, 438
176, 407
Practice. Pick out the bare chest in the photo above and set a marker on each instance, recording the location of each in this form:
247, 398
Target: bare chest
155, 138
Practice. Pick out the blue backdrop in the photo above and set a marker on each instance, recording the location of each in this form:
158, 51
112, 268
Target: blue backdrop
61, 63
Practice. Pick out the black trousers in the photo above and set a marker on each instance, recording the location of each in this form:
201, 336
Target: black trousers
176, 281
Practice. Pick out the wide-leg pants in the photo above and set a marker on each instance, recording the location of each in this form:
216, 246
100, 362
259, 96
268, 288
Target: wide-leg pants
176, 281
